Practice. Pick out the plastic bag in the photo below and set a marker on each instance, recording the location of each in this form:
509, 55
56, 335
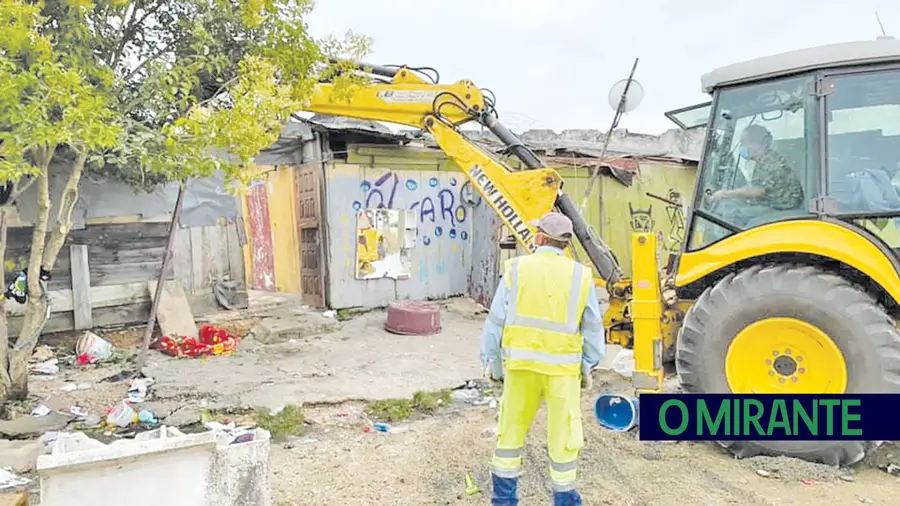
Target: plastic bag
122, 415
624, 363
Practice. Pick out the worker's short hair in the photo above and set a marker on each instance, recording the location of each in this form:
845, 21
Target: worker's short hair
757, 134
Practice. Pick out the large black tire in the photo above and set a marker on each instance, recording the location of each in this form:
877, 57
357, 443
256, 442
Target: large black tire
862, 330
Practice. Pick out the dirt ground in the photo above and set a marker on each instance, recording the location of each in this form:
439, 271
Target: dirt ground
340, 460
425, 463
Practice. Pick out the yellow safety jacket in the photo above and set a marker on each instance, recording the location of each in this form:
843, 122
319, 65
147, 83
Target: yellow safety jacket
542, 330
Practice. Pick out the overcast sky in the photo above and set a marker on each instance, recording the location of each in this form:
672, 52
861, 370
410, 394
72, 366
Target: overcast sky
551, 63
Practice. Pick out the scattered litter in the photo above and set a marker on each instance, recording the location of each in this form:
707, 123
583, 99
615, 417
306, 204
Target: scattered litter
79, 412
623, 363
8, 480
48, 367
275, 411
146, 416
331, 313
764, 473
468, 395
139, 389
68, 387
848, 478
793, 470
865, 500
49, 437
891, 469
92, 349
471, 486
809, 481
493, 404
212, 342
41, 410
42, 353
122, 415
398, 429
382, 427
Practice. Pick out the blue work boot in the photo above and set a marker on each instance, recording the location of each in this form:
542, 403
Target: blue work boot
567, 498
504, 491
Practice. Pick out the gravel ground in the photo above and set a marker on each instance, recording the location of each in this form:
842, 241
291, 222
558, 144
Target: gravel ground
426, 461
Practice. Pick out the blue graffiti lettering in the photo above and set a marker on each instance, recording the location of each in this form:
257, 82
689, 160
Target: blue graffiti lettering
444, 206
452, 233
426, 241
447, 199
463, 235
426, 209
438, 231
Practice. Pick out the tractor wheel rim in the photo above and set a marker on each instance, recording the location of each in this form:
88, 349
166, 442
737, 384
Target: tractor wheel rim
784, 356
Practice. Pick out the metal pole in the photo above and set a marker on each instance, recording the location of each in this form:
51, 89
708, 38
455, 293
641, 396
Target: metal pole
615, 123
151, 321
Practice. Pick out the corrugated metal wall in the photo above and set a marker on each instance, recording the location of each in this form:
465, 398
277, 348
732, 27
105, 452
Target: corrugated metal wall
398, 178
616, 210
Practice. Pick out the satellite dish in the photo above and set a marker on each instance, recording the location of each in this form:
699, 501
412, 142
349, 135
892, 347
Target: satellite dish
632, 100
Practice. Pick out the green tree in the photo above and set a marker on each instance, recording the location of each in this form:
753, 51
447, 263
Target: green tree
144, 92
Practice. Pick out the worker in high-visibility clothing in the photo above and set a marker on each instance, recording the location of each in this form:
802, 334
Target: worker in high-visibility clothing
543, 337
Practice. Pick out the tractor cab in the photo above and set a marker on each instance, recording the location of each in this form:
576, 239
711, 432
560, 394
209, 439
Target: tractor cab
810, 134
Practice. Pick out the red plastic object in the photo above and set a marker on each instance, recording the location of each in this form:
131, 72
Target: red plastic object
413, 317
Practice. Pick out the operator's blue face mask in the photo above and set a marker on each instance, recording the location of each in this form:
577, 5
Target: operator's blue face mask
744, 153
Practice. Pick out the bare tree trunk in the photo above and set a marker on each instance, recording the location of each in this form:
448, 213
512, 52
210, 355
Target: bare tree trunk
64, 214
5, 380
36, 306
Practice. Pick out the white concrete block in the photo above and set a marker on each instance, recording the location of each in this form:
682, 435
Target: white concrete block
159, 467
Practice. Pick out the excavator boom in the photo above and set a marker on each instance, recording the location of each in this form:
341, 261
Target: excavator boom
401, 95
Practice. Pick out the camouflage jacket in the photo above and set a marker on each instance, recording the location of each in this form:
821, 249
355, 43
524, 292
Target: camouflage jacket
775, 174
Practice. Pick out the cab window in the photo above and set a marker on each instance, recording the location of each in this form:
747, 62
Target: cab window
757, 167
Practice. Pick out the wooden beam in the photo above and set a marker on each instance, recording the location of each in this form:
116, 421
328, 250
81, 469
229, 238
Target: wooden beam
81, 286
101, 296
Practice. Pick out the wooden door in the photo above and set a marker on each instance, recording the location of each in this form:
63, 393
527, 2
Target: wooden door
309, 230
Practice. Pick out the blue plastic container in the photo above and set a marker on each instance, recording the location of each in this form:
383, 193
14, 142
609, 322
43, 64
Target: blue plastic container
618, 413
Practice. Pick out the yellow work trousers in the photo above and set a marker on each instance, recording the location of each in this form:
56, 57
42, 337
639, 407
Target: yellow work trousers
523, 392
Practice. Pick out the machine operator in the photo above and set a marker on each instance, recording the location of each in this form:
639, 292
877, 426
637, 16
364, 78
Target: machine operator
543, 337
774, 186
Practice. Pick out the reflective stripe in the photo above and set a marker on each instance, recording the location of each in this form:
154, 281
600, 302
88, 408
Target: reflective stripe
505, 453
537, 356
568, 466
506, 473
496, 320
572, 316
562, 487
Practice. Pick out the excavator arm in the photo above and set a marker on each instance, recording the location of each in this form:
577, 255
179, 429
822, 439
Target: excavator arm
401, 95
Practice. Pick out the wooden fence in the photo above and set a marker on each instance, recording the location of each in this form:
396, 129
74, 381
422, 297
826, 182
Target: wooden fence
100, 278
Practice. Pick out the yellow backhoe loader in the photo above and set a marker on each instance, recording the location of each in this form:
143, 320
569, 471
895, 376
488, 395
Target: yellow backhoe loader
766, 296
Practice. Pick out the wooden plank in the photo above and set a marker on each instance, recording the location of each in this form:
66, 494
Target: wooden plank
181, 257
101, 296
235, 253
81, 286
219, 248
197, 274
210, 267
106, 255
174, 311
117, 274
103, 317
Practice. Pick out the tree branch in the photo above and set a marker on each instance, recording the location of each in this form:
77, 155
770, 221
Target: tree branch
18, 189
67, 202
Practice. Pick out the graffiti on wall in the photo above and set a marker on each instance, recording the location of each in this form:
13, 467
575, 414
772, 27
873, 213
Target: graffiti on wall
641, 219
675, 212
439, 207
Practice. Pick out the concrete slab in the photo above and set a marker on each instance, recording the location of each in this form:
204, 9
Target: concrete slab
357, 361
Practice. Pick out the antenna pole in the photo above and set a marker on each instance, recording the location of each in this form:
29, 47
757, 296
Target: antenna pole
878, 18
